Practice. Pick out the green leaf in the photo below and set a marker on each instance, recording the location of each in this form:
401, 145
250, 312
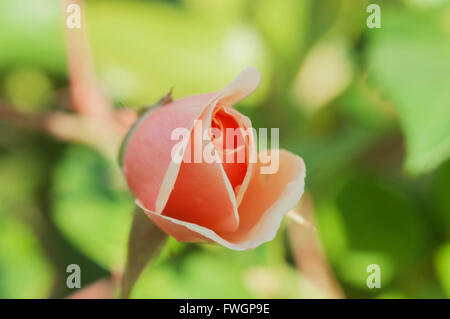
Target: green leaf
368, 221
91, 205
381, 218
409, 62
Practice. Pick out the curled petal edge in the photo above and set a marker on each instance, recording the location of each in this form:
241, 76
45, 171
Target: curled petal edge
263, 231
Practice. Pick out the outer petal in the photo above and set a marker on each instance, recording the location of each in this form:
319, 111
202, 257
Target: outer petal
148, 165
202, 193
241, 87
267, 199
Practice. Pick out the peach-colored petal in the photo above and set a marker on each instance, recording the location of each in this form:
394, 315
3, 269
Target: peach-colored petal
231, 144
148, 165
202, 193
241, 87
267, 200
250, 149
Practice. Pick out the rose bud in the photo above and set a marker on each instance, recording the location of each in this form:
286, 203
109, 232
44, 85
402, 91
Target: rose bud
207, 185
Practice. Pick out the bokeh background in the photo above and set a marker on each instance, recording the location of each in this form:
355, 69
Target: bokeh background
367, 109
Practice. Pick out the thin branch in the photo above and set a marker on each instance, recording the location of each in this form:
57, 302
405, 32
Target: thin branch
309, 255
86, 95
10, 114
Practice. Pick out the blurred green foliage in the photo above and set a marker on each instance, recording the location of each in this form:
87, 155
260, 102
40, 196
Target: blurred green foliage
86, 204
368, 110
402, 62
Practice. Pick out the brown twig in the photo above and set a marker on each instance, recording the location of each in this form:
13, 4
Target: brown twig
10, 114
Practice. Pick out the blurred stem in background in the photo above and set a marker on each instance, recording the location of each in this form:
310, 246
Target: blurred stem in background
309, 255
